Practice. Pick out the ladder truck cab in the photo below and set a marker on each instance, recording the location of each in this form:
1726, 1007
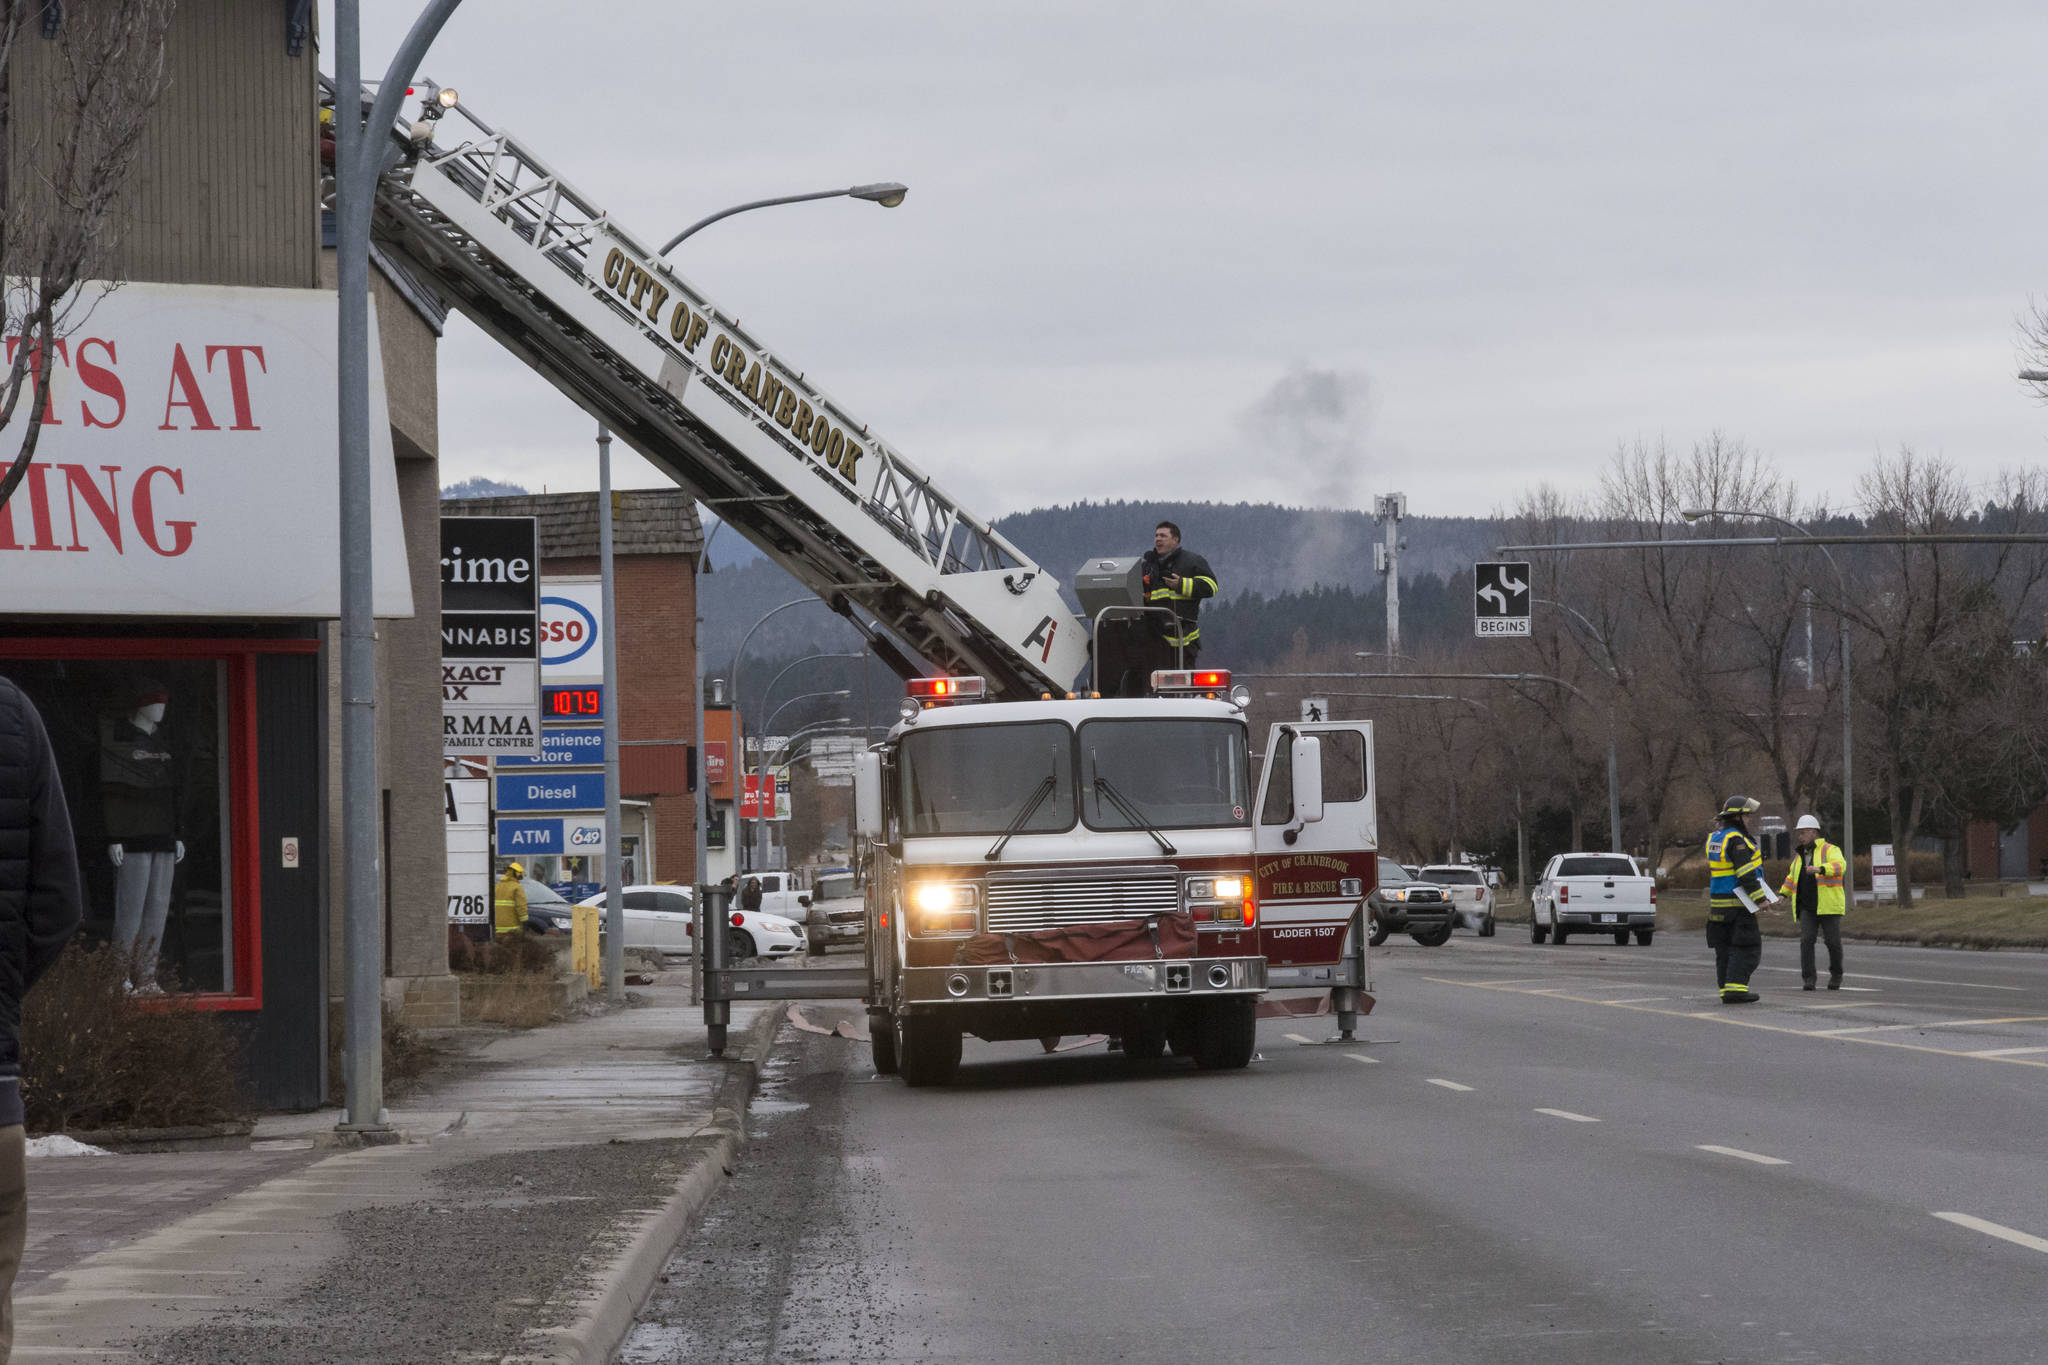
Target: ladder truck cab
1079, 864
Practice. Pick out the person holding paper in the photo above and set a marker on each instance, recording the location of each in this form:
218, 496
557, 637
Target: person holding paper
1734, 896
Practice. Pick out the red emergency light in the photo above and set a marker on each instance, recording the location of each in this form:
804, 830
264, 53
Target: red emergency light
1191, 680
938, 691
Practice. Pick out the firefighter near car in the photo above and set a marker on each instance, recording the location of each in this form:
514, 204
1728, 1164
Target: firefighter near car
1735, 894
1081, 864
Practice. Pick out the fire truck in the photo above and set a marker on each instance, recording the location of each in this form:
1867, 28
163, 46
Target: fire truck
1081, 864
1047, 862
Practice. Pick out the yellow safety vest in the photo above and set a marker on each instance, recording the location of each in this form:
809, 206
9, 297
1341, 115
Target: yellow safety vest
508, 906
1828, 871
1723, 873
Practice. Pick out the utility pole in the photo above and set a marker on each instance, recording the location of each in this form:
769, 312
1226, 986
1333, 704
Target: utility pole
614, 891
1387, 559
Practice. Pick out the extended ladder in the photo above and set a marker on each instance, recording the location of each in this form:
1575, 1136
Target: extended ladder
543, 269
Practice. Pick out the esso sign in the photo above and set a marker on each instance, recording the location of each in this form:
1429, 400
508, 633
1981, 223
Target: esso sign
571, 633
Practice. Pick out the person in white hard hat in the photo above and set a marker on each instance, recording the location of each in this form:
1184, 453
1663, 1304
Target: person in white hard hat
1815, 884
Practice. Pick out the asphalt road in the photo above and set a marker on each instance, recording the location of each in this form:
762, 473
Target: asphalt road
1541, 1154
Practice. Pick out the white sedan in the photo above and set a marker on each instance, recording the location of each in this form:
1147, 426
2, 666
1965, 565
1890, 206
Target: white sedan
658, 920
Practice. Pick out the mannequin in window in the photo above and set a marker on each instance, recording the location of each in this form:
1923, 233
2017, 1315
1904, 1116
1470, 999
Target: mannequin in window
139, 800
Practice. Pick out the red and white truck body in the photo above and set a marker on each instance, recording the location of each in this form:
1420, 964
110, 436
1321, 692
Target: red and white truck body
1106, 865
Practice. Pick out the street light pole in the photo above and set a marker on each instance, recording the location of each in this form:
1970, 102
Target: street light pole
888, 194
739, 731
359, 156
614, 885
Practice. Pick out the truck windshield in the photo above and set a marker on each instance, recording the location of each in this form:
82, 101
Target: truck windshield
1177, 774
974, 779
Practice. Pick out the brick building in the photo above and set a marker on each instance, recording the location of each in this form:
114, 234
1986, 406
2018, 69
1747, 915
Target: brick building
656, 542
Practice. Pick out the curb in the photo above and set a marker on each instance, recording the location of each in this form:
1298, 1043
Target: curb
607, 1312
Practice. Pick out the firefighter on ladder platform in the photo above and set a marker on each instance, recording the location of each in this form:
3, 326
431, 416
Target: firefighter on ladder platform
1734, 894
1178, 580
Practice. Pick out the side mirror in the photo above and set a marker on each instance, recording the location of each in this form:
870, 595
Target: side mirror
1306, 755
867, 795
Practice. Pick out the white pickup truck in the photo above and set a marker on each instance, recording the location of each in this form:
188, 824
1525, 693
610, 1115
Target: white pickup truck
1594, 893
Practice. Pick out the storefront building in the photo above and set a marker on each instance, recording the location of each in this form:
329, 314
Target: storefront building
169, 569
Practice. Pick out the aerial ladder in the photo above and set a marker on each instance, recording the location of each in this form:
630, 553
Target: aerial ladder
543, 269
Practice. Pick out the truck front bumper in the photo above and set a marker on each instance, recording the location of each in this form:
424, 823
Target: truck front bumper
1084, 980
1605, 921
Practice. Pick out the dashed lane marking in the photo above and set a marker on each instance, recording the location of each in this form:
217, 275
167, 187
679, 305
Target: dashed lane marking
1361, 1057
1297, 1038
1999, 1230
1449, 1085
1735, 1021
1637, 1000
1568, 1114
2009, 1051
1758, 1157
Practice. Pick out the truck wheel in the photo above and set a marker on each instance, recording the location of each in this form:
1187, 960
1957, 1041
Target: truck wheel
1538, 930
1434, 938
1621, 938
1379, 932
1486, 927
1144, 1042
882, 1042
927, 1051
1181, 1036
1643, 937
1226, 1034
1557, 935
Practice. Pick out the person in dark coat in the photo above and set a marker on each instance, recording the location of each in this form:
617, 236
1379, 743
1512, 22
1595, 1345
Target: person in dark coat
750, 894
41, 903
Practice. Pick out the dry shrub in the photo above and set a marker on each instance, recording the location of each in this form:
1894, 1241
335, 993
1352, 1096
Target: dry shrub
513, 955
94, 1056
525, 1000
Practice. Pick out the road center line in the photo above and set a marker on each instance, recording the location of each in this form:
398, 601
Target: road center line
1990, 1229
1361, 1057
1449, 1085
1944, 1023
1736, 1152
1568, 1114
1637, 1000
2009, 1051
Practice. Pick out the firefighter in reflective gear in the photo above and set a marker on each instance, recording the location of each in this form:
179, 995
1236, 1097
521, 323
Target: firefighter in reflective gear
1814, 882
1733, 896
508, 901
1178, 580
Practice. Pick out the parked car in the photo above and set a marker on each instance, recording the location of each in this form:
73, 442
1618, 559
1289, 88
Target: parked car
1402, 904
837, 912
1599, 893
658, 920
546, 911
1467, 889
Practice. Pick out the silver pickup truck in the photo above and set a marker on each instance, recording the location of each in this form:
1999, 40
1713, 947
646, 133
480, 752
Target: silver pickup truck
1594, 893
835, 911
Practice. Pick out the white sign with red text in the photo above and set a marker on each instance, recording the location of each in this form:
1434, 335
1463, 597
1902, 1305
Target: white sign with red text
187, 464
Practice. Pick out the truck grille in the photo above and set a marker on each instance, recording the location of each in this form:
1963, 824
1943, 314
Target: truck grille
1425, 894
1015, 906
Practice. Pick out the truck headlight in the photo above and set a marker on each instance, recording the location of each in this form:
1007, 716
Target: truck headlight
1226, 899
944, 909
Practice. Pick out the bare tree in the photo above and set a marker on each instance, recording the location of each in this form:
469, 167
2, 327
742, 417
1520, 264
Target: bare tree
66, 154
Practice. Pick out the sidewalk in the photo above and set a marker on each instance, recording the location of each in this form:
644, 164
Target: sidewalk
543, 1180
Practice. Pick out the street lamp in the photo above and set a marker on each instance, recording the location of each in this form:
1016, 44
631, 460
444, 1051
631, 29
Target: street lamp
888, 194
2035, 376
360, 153
768, 726
1842, 615
740, 790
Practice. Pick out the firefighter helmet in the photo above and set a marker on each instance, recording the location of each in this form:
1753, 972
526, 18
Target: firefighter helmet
1739, 806
515, 869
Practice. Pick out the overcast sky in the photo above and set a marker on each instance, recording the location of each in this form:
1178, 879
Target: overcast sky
1306, 252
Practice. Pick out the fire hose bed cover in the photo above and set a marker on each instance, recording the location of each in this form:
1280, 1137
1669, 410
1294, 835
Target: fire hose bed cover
1124, 940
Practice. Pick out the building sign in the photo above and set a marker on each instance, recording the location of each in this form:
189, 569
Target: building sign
753, 805
186, 465
469, 849
571, 630
490, 635
529, 836
716, 760
550, 791
568, 746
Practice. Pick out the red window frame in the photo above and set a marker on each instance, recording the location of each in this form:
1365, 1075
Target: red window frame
245, 843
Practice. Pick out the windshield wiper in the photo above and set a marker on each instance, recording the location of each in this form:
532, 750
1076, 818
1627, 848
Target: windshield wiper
1045, 789
1132, 813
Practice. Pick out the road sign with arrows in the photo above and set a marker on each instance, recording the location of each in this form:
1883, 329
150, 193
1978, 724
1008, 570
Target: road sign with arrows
1501, 598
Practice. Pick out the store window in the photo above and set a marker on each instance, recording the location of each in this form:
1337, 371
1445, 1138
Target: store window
142, 746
